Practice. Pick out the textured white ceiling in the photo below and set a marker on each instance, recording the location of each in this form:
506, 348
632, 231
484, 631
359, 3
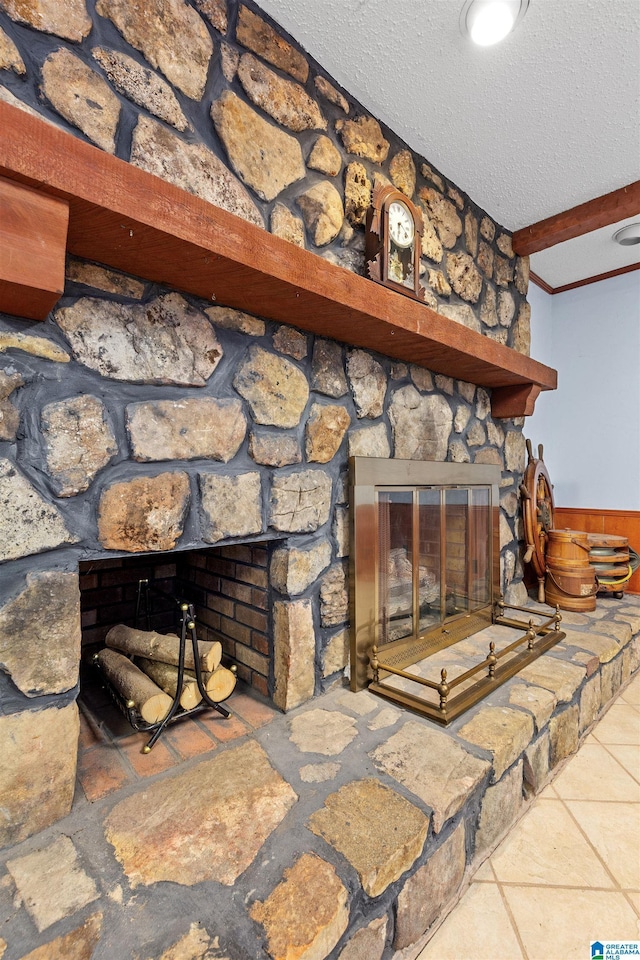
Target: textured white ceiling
548, 119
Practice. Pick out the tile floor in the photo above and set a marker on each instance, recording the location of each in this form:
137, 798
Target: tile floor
569, 872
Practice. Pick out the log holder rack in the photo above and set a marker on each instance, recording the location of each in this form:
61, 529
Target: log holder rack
187, 622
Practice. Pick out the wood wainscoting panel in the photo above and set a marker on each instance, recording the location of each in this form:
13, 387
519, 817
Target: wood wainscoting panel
621, 523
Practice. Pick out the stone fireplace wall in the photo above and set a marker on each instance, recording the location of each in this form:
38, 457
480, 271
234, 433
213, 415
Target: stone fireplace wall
139, 421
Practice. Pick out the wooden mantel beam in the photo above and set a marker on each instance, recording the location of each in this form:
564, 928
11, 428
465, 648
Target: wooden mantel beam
126, 218
611, 208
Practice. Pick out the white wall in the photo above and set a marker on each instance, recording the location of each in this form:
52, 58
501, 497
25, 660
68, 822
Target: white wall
590, 425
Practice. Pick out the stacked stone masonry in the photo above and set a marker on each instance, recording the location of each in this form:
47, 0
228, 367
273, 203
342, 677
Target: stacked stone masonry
360, 824
138, 421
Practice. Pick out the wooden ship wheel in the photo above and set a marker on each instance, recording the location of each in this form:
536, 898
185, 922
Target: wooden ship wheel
537, 509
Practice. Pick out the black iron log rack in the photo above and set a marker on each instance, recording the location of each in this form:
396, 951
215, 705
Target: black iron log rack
187, 626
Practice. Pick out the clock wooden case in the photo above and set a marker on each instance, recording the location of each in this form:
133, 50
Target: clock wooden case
393, 241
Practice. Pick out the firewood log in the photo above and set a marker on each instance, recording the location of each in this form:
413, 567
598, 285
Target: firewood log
150, 701
166, 676
163, 647
220, 684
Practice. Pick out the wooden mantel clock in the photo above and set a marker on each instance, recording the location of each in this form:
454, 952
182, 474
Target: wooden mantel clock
393, 241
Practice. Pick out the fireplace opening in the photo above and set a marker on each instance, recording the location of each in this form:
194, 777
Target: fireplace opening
430, 629
227, 589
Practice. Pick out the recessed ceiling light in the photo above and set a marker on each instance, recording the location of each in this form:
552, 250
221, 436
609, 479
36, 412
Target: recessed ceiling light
627, 236
489, 21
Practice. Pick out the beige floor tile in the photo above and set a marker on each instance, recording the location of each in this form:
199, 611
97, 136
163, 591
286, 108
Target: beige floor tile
484, 873
614, 831
634, 897
547, 847
478, 929
549, 793
621, 724
593, 774
559, 924
632, 693
628, 756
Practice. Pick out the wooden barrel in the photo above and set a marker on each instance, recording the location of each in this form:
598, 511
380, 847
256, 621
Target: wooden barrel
571, 579
568, 547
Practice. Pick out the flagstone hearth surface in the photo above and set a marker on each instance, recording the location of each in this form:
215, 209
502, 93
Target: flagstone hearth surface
347, 828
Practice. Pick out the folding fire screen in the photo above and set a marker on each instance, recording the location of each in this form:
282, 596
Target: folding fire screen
425, 572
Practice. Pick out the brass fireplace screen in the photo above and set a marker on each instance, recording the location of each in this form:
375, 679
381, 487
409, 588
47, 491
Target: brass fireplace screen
429, 627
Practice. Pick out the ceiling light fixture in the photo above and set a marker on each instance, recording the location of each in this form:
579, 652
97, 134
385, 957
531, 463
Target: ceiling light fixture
628, 235
489, 21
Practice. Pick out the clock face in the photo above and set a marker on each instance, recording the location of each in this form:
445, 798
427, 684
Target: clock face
401, 226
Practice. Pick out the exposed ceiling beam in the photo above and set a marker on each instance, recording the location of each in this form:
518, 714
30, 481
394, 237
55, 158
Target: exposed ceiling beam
611, 208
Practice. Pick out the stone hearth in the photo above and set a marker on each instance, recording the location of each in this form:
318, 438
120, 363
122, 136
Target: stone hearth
342, 830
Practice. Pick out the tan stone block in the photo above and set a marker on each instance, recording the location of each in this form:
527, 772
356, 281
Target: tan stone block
186, 429
173, 39
287, 226
319, 772
368, 943
590, 702
46, 614
9, 415
196, 944
294, 648
327, 370
51, 882
327, 732
471, 234
254, 34
275, 389
293, 569
540, 702
79, 944
431, 175
290, 341
379, 856
563, 679
231, 505
503, 732
284, 100
300, 502
522, 274
91, 275
433, 766
216, 13
536, 763
485, 259
500, 807
340, 531
444, 216
69, 21
324, 431
521, 334
368, 383
464, 276
274, 449
421, 425
563, 733
322, 211
147, 513
330, 93
265, 158
423, 379
430, 889
431, 245
364, 138
79, 442
306, 914
37, 770
334, 597
611, 680
357, 193
10, 58
157, 834
370, 442
336, 653
141, 86
402, 171
163, 341
82, 97
192, 167
229, 60
28, 524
